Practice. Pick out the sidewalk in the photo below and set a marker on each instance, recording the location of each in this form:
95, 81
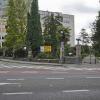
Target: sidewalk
84, 65
29, 62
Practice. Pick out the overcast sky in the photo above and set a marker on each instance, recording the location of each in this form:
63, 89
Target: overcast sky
85, 11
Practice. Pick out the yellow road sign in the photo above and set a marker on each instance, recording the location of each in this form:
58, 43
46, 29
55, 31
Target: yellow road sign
47, 48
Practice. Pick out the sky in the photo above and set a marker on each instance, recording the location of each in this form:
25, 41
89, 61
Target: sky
85, 11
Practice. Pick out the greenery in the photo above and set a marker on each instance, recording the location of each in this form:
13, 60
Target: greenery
34, 32
96, 36
70, 51
85, 38
85, 50
24, 29
52, 32
16, 25
45, 56
85, 41
1, 52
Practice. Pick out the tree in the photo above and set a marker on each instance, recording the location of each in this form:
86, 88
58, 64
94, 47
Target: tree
66, 32
11, 28
96, 35
16, 24
34, 32
86, 41
52, 32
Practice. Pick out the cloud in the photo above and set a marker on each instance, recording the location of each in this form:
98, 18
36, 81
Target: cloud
83, 8
80, 8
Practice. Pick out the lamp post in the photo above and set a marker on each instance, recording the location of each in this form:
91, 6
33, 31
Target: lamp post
62, 47
95, 61
90, 55
78, 50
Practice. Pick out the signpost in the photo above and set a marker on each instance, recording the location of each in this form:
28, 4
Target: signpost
62, 52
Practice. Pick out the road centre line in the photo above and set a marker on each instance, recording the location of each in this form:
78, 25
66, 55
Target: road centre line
73, 91
93, 77
15, 79
9, 83
18, 93
55, 78
29, 72
4, 72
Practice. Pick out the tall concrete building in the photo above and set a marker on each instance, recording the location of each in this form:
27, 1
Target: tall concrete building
3, 5
68, 20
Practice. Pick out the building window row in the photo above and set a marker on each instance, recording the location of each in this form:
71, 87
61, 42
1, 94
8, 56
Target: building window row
2, 30
2, 37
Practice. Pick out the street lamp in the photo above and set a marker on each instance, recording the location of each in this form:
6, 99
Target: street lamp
62, 47
24, 48
78, 41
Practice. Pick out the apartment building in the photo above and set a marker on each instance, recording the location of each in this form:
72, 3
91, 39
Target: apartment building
3, 5
68, 21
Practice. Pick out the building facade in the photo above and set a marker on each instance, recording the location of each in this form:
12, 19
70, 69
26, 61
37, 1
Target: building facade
68, 21
3, 6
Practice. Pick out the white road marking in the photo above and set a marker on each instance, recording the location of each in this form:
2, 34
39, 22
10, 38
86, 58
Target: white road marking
32, 72
50, 85
58, 72
93, 77
18, 67
73, 91
18, 93
5, 66
15, 79
3, 72
9, 83
55, 78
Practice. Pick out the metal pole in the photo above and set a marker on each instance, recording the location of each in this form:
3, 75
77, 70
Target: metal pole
78, 51
62, 52
95, 56
90, 55
62, 47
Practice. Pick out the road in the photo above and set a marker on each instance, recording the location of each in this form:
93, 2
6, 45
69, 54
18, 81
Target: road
39, 82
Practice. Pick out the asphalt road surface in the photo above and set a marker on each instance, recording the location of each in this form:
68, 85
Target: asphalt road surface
38, 82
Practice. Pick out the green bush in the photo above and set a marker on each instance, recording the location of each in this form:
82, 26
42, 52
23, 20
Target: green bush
1, 51
44, 56
20, 53
8, 52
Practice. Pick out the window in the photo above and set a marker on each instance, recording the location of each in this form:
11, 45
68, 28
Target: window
2, 37
65, 20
